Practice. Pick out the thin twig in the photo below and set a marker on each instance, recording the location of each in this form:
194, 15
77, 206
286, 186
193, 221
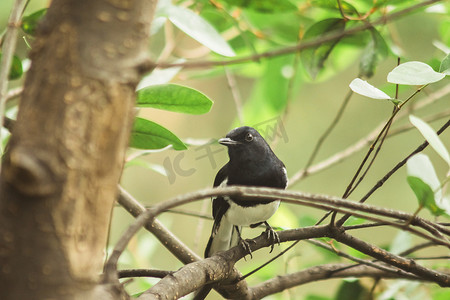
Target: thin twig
170, 241
236, 94
143, 273
389, 174
355, 259
392, 259
338, 157
327, 132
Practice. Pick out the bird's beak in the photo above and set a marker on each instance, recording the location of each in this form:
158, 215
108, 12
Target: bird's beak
228, 142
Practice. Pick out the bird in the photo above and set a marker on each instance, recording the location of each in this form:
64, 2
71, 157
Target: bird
251, 163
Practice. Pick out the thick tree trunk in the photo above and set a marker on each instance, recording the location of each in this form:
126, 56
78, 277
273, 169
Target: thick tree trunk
60, 175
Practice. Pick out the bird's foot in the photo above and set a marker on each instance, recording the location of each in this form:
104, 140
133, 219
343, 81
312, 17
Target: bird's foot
246, 245
272, 236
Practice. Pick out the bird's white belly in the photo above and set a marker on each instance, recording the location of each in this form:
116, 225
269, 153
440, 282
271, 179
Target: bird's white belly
244, 216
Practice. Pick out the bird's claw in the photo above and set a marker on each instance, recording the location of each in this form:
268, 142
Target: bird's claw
272, 236
246, 245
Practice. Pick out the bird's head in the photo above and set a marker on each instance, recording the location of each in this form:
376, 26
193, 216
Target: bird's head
245, 143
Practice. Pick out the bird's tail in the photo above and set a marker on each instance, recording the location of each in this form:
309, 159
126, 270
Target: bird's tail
223, 237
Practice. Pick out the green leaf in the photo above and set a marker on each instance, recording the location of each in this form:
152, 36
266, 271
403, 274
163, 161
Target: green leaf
175, 98
149, 135
374, 52
351, 290
200, 30
316, 297
333, 5
425, 184
314, 58
265, 6
16, 70
362, 87
414, 73
445, 65
424, 195
30, 22
431, 136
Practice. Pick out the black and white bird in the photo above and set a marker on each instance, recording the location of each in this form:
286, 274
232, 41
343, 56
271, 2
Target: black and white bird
252, 163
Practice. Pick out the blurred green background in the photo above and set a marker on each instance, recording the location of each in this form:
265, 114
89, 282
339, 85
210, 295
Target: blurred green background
302, 108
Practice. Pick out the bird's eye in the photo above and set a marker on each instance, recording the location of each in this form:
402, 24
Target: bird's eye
249, 137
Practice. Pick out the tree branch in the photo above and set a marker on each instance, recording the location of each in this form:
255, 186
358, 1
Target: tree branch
206, 271
167, 238
299, 47
317, 273
405, 264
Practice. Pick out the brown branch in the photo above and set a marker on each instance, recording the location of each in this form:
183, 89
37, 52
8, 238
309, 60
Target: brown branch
317, 273
167, 238
205, 276
408, 265
318, 201
143, 273
218, 267
357, 260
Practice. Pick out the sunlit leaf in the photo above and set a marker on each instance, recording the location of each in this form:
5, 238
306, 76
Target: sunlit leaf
333, 5
30, 22
445, 65
200, 30
175, 98
431, 136
414, 73
364, 88
424, 182
265, 6
149, 135
314, 58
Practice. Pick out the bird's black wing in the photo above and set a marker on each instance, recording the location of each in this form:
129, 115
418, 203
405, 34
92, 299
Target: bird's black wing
219, 205
220, 180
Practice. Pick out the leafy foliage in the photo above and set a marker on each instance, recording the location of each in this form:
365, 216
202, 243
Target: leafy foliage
149, 135
30, 22
16, 70
175, 98
314, 59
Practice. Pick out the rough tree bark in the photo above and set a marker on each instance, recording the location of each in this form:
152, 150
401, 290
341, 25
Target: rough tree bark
60, 175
